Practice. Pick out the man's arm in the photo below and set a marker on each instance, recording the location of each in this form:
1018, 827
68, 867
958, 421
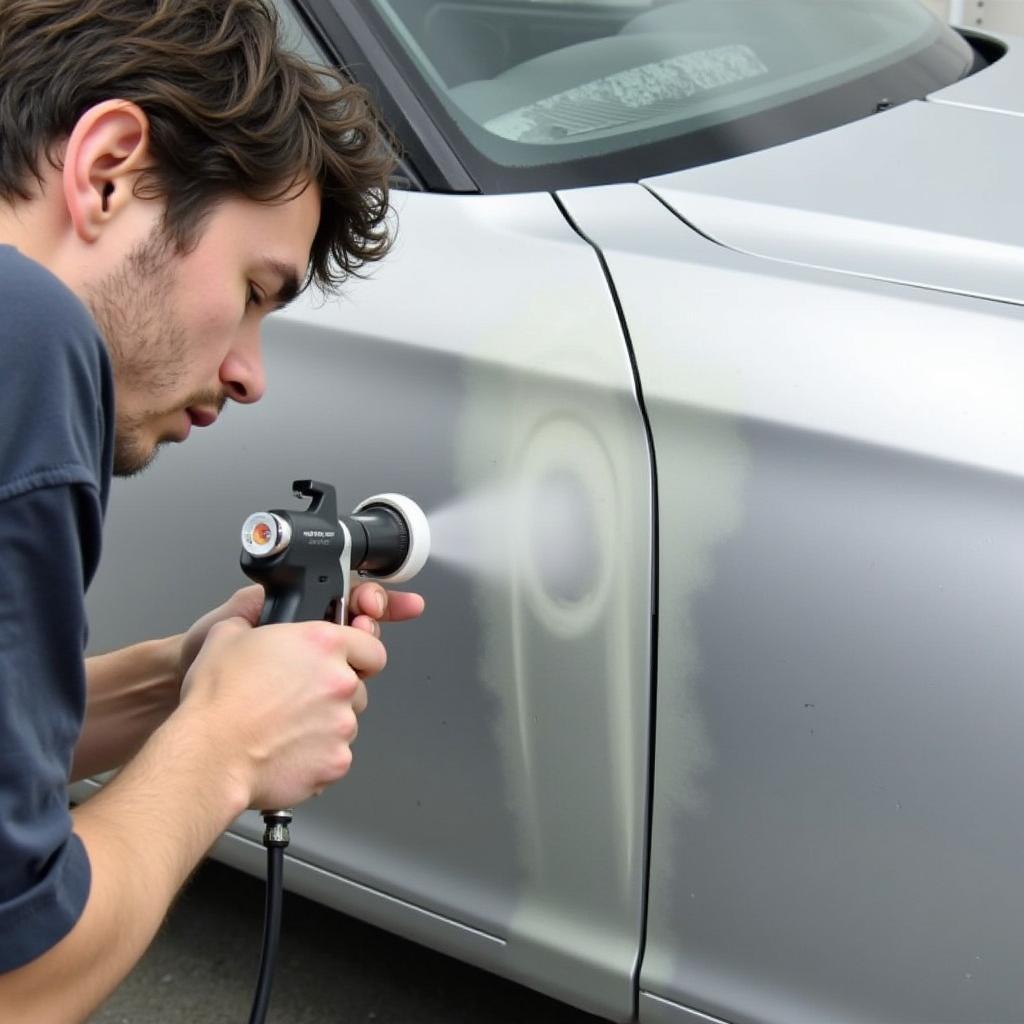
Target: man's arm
131, 691
144, 833
129, 694
267, 719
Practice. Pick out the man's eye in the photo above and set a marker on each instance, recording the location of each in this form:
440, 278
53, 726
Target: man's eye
255, 296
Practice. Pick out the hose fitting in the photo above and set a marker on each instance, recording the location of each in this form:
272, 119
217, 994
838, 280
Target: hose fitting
276, 832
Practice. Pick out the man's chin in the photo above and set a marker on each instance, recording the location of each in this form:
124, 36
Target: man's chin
131, 459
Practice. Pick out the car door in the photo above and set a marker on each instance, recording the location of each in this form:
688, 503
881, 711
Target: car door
497, 805
839, 452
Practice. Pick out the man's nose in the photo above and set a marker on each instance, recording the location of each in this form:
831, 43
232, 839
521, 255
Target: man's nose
242, 373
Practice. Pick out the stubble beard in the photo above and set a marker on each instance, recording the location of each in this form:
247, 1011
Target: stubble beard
133, 307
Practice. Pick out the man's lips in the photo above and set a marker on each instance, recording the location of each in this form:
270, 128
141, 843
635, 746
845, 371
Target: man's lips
202, 417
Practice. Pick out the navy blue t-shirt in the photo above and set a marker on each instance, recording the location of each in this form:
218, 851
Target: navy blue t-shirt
56, 450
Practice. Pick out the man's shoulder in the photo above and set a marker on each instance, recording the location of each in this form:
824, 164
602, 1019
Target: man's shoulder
56, 400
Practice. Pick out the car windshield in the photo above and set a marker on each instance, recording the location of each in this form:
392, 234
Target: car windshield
547, 82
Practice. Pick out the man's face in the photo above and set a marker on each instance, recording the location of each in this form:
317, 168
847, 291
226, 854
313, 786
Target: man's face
183, 332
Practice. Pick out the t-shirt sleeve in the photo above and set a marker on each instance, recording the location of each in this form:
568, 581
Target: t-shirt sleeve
44, 869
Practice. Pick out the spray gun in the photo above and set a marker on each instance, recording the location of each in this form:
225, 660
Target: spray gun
304, 561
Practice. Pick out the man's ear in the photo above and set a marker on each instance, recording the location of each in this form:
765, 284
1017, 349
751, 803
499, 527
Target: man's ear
105, 152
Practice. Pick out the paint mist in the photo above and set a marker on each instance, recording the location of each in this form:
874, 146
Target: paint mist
465, 534
545, 524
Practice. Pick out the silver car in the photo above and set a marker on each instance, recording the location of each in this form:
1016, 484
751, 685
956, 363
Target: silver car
703, 347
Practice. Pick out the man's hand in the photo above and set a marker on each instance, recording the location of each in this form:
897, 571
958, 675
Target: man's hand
306, 677
370, 604
246, 603
279, 704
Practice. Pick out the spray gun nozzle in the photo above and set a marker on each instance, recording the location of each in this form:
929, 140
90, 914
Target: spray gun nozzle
380, 540
398, 537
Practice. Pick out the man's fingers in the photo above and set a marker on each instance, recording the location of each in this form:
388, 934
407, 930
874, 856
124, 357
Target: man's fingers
247, 602
403, 606
363, 651
366, 624
229, 627
361, 699
369, 599
373, 600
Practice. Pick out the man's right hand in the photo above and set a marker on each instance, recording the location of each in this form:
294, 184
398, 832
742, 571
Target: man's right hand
281, 703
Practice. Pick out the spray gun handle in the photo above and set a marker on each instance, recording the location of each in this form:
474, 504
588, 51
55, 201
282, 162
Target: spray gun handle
287, 606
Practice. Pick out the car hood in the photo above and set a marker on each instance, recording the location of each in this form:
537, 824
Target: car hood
929, 193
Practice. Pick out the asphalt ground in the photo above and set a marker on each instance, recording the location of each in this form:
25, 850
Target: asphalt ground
332, 969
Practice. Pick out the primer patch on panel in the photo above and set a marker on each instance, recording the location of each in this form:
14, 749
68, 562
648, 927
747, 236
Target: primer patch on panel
565, 636
626, 97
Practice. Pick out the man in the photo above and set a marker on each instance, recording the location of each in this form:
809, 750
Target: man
168, 176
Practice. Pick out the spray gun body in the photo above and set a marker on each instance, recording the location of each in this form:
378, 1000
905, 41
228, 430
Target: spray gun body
305, 559
297, 557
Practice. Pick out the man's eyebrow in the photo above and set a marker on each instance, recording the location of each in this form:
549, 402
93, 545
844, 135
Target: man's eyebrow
289, 280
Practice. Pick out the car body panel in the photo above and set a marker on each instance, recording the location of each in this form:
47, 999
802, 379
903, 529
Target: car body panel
886, 197
656, 1010
840, 467
999, 89
500, 778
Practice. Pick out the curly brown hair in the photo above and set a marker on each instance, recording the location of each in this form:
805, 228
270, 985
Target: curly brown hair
231, 113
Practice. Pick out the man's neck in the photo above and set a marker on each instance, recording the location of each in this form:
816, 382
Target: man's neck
24, 225
37, 229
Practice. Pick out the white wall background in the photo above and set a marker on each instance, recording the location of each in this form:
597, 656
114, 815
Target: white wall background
997, 15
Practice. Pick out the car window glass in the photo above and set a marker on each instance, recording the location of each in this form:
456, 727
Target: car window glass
539, 81
295, 35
